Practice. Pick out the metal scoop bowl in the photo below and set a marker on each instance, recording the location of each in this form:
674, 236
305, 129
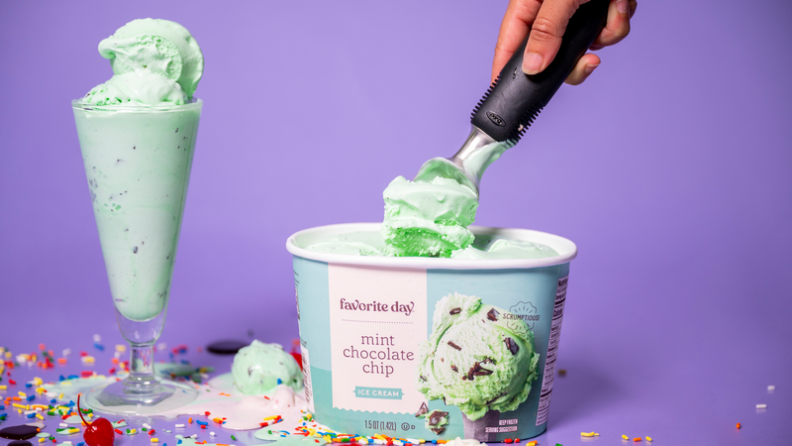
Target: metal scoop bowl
468, 165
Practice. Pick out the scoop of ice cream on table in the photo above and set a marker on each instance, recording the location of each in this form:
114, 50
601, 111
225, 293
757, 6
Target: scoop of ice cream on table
260, 367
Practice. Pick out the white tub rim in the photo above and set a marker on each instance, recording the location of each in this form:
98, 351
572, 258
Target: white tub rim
566, 249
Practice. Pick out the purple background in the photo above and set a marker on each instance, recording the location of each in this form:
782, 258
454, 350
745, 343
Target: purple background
670, 168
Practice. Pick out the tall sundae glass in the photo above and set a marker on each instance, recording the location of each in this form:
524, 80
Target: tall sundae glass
137, 135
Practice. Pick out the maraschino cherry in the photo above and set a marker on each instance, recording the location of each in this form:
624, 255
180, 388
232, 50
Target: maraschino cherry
97, 433
295, 354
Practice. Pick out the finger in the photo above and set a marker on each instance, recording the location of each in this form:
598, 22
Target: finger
585, 66
547, 31
516, 23
618, 26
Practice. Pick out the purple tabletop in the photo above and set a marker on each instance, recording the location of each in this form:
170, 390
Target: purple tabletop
670, 168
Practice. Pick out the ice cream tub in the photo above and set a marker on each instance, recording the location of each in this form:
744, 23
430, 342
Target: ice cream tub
430, 348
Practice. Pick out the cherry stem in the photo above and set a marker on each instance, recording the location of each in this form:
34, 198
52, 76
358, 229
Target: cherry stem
79, 411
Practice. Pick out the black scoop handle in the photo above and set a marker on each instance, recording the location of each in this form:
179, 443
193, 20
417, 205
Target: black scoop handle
515, 99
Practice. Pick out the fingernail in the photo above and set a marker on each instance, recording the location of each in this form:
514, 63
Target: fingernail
623, 6
590, 69
532, 63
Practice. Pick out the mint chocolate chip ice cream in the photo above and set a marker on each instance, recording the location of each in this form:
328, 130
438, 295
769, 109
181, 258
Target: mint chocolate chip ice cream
428, 218
479, 357
260, 367
154, 61
137, 135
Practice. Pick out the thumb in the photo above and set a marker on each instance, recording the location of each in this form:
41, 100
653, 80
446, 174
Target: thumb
547, 31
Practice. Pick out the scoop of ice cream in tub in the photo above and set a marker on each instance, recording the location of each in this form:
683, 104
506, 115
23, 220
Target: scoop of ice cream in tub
428, 218
261, 367
477, 358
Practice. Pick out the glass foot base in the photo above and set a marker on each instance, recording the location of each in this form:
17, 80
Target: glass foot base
123, 398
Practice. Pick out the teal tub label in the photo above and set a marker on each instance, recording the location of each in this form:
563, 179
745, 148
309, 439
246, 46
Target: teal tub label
377, 319
367, 331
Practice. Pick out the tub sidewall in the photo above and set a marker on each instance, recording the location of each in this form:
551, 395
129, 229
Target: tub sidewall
345, 309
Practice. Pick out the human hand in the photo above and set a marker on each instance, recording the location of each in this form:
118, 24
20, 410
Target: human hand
547, 21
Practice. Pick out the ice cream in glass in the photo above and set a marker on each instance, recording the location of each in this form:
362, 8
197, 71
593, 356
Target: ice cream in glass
137, 135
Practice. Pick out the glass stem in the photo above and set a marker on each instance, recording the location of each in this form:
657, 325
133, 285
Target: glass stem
141, 369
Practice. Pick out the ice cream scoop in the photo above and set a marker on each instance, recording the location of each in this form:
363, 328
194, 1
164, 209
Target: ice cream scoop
429, 216
514, 100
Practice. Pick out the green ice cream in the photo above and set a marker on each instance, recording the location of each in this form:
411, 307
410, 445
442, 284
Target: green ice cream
154, 61
478, 357
368, 243
260, 367
137, 149
486, 248
354, 243
428, 218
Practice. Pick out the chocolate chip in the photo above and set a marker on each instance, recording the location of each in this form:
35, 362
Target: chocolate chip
423, 378
442, 360
436, 417
494, 399
20, 443
454, 345
226, 347
455, 311
438, 430
454, 368
134, 249
493, 314
19, 432
423, 410
477, 370
513, 347
488, 360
